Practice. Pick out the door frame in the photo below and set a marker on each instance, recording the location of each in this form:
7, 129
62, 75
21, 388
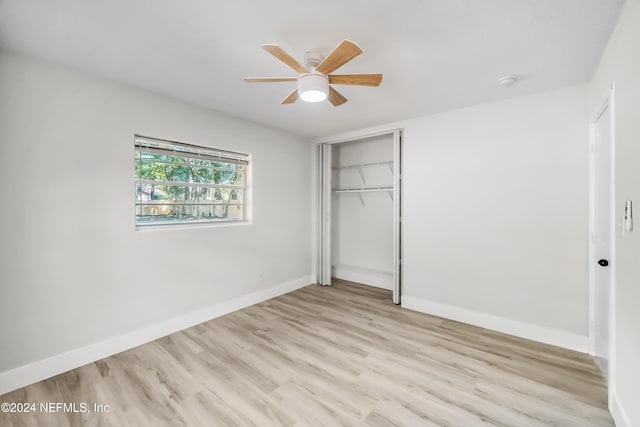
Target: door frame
608, 103
398, 139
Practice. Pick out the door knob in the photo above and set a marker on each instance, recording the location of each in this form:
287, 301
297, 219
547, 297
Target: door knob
603, 262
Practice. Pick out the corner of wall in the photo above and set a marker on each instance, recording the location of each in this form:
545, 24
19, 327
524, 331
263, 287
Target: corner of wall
618, 412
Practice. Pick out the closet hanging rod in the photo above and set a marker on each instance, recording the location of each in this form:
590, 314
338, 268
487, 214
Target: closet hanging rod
359, 165
363, 190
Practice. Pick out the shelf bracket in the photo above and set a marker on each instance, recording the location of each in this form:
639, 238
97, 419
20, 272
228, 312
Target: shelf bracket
361, 198
391, 195
390, 167
364, 182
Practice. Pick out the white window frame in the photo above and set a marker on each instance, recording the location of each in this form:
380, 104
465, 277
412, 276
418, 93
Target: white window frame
145, 144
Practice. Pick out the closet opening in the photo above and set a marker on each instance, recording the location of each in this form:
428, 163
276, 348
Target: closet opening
359, 201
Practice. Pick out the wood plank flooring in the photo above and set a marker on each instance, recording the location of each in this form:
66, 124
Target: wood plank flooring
328, 356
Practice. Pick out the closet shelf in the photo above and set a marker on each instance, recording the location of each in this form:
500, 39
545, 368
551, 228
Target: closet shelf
360, 165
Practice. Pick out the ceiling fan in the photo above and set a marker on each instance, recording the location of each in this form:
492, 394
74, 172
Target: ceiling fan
315, 76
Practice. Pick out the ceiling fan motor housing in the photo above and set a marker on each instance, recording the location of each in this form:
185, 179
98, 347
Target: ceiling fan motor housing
313, 87
312, 60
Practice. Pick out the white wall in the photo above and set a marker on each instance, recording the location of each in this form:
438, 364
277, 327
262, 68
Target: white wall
73, 270
496, 215
362, 234
621, 64
495, 209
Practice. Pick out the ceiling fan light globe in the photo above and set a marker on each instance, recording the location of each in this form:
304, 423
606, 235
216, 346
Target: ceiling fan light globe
313, 96
313, 87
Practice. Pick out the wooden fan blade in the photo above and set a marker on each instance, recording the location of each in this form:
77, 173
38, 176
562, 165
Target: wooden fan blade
336, 97
356, 79
269, 79
293, 97
344, 53
283, 56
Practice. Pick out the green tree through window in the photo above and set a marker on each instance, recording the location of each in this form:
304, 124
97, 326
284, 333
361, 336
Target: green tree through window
178, 183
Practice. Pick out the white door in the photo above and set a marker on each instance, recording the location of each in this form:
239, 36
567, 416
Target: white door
603, 231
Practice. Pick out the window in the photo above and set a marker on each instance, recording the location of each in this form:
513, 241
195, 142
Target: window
180, 183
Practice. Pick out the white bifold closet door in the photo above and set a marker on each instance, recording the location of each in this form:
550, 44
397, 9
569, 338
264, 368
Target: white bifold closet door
324, 214
397, 216
324, 180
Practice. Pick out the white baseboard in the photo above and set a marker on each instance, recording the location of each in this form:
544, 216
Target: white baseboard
46, 368
508, 326
618, 413
378, 279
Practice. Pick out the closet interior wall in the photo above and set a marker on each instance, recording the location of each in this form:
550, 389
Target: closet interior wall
362, 232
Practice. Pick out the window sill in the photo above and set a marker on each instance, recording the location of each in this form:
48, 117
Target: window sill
188, 226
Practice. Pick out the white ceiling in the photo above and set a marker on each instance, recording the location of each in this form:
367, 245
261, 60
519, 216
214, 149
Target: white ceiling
436, 55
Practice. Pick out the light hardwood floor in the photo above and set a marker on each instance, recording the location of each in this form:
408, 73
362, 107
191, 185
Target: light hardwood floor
335, 356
